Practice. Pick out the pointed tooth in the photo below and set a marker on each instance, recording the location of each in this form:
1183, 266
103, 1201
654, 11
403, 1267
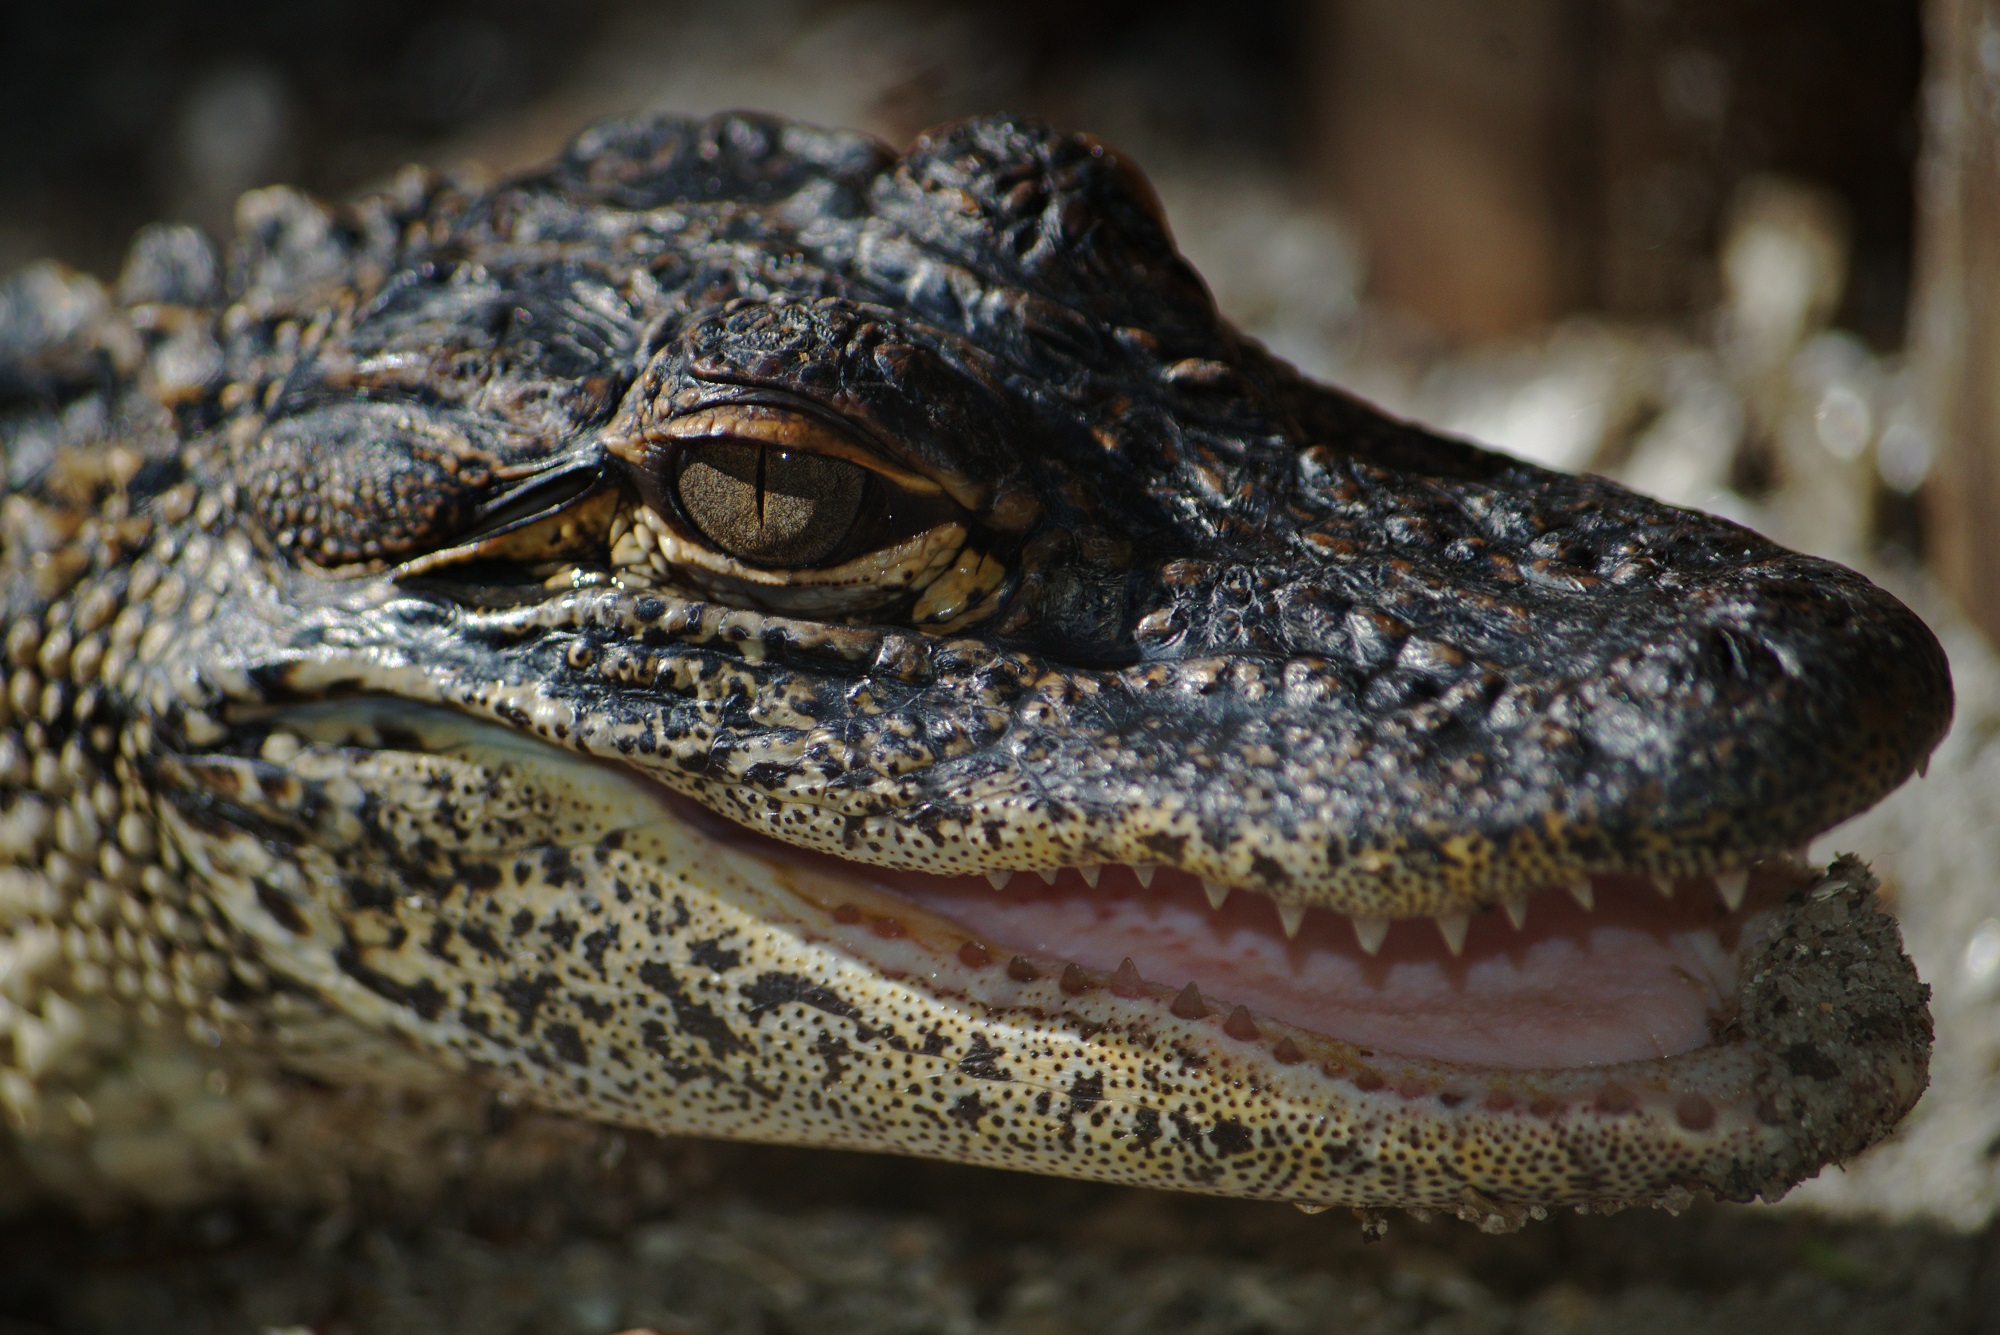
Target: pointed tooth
1665, 885
1732, 886
1517, 912
1089, 875
1142, 872
1217, 892
1370, 932
998, 879
1291, 917
1048, 874
1579, 890
1452, 926
1189, 1005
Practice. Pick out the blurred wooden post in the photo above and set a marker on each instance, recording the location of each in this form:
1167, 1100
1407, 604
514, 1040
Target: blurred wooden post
1441, 128
1956, 324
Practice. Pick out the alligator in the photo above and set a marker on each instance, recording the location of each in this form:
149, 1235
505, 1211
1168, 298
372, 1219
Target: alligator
742, 633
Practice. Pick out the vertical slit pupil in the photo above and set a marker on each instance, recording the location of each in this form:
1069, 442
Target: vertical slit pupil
767, 505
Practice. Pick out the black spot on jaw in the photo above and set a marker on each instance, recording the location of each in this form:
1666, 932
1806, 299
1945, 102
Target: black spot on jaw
1230, 1136
768, 991
834, 1052
558, 867
982, 1061
710, 955
422, 996
367, 895
695, 1018
1086, 1092
1145, 1127
968, 1109
481, 938
567, 1044
477, 875
1269, 870
524, 996
597, 943
654, 1035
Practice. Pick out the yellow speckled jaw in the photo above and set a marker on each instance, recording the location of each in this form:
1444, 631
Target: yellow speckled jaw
599, 946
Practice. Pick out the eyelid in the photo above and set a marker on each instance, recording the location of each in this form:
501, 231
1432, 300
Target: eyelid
786, 429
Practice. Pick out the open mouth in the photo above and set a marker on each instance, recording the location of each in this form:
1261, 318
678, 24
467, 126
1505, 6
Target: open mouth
1631, 978
1606, 970
1603, 972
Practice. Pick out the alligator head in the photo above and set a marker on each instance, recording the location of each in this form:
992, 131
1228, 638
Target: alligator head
743, 633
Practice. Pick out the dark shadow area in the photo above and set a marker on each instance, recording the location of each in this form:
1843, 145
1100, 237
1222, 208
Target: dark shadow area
745, 1237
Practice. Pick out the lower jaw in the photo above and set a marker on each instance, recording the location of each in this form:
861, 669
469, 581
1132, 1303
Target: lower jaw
1809, 1038
1774, 1079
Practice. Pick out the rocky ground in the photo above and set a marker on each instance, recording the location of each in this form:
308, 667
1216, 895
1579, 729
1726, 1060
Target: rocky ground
837, 1243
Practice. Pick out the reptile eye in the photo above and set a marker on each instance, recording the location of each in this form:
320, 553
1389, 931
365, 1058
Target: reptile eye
782, 489
767, 505
788, 509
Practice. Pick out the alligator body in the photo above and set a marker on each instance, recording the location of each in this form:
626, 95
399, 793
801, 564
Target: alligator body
742, 633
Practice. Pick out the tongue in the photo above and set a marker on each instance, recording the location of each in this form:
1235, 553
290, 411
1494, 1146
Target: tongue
1634, 979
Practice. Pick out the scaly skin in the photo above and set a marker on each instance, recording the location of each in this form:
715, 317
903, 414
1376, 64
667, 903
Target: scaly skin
367, 681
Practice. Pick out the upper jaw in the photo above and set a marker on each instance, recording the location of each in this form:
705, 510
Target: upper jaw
963, 755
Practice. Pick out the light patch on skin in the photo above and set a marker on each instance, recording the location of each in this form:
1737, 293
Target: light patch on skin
593, 952
962, 594
651, 547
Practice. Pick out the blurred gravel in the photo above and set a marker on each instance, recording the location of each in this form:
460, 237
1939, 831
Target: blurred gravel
967, 1250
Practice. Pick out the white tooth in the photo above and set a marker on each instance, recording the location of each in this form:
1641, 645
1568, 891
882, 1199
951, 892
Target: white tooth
1291, 917
1579, 890
1143, 873
998, 879
1517, 912
1451, 926
1089, 875
1048, 874
1216, 891
1369, 932
1732, 886
1665, 885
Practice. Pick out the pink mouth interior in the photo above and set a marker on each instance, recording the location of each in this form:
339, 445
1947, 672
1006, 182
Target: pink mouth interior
1635, 978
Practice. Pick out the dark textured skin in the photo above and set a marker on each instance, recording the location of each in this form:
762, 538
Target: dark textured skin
1248, 626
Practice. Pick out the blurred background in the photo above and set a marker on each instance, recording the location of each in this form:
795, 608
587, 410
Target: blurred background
1740, 254
1673, 240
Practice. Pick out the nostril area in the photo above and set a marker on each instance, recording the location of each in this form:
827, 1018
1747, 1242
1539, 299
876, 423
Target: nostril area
1740, 655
